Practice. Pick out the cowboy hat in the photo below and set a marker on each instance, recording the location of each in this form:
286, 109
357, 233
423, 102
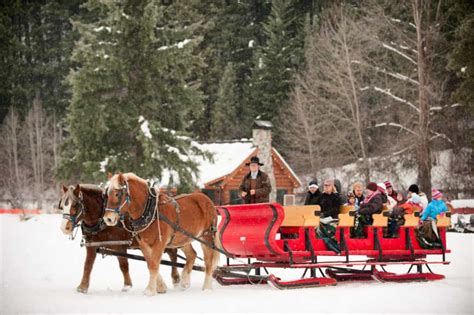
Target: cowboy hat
254, 159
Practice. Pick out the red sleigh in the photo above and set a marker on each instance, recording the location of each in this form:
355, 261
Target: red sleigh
265, 237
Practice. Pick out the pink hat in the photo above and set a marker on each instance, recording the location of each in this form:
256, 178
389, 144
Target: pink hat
388, 184
436, 194
381, 188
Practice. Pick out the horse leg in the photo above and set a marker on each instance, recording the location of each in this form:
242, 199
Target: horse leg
173, 253
190, 254
152, 256
88, 263
211, 259
123, 263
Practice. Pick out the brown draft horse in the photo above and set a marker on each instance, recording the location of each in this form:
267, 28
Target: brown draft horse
84, 205
195, 213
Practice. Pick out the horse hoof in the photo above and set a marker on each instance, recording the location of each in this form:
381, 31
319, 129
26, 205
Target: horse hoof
126, 288
184, 285
149, 292
176, 282
81, 290
161, 289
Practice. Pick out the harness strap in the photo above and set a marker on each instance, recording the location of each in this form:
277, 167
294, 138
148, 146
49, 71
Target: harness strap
178, 210
181, 230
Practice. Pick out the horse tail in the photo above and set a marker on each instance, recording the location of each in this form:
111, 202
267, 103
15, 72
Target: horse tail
215, 253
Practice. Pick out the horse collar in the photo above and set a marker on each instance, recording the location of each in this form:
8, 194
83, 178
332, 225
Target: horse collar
93, 230
147, 216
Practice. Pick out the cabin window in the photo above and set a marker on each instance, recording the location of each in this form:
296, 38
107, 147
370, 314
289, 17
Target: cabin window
280, 194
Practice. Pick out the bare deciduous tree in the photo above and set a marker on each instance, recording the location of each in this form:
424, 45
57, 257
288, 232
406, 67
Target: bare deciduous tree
368, 89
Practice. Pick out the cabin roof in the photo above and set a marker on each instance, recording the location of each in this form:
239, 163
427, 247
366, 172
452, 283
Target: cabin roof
228, 158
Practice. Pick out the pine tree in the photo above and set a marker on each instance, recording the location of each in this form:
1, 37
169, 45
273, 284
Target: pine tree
223, 127
235, 29
36, 40
276, 61
135, 88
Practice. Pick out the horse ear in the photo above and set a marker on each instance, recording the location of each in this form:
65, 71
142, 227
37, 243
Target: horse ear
121, 179
109, 175
77, 189
63, 189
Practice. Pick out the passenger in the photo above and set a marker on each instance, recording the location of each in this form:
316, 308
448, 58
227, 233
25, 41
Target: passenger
372, 204
351, 200
414, 189
390, 191
396, 218
435, 207
255, 186
337, 184
313, 193
388, 201
401, 198
427, 233
358, 190
330, 201
383, 193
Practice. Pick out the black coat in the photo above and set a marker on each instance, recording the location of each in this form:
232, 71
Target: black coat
375, 205
330, 204
312, 199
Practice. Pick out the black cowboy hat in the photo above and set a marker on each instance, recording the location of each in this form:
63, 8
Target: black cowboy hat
254, 159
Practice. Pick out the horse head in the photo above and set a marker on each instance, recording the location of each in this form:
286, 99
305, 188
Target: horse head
118, 198
72, 206
126, 193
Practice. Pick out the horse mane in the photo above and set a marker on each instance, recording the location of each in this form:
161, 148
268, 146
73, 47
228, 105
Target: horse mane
114, 181
91, 188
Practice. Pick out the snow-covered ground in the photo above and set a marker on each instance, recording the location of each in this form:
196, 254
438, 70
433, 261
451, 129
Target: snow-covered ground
40, 269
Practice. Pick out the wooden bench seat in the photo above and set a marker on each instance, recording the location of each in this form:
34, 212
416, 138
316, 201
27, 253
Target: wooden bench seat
443, 219
345, 208
301, 215
346, 219
412, 219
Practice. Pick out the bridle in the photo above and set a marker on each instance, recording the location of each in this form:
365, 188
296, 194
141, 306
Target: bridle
124, 198
77, 218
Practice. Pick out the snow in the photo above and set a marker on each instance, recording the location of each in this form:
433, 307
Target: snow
104, 164
400, 53
101, 28
395, 125
183, 43
463, 69
226, 158
179, 45
144, 127
41, 268
389, 93
397, 75
251, 43
463, 203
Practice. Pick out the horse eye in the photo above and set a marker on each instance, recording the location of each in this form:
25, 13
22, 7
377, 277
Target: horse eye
116, 194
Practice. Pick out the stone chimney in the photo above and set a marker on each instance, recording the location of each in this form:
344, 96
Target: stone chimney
262, 139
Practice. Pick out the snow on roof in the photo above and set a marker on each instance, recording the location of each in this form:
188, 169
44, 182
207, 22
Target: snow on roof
226, 158
287, 166
463, 203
